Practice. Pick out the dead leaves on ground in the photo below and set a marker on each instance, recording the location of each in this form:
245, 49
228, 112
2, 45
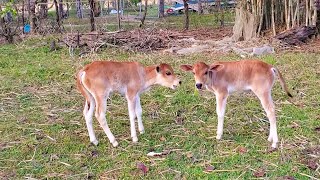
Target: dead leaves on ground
94, 153
162, 138
311, 157
242, 150
287, 178
209, 168
259, 173
312, 164
143, 168
189, 154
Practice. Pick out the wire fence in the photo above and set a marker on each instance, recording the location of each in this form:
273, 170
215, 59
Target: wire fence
74, 16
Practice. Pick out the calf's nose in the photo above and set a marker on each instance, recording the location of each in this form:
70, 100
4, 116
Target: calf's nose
199, 85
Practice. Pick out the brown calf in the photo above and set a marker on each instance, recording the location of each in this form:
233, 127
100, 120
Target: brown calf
223, 78
97, 80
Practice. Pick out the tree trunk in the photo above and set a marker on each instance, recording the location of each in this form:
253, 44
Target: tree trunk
96, 8
200, 9
246, 25
186, 15
307, 12
291, 13
266, 22
108, 6
261, 14
314, 9
57, 15
310, 13
118, 14
92, 23
144, 13
287, 14
317, 5
161, 8
272, 18
32, 15
222, 15
255, 16
61, 9
79, 9
23, 20
298, 13
44, 9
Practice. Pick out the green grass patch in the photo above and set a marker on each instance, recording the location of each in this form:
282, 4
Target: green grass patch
43, 133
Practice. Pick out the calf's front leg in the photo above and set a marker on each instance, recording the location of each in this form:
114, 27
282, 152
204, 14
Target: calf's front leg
139, 114
221, 99
132, 115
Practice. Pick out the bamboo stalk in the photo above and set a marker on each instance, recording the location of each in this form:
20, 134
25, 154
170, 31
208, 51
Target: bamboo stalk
292, 14
307, 13
286, 14
272, 18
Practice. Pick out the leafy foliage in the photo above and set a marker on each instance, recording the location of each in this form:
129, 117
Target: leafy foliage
8, 8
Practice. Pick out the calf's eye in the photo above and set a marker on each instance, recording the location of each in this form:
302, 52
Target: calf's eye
168, 73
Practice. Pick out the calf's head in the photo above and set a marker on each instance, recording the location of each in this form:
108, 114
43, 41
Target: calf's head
202, 72
166, 76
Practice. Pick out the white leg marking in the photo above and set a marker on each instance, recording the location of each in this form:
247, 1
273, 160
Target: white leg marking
221, 108
268, 106
138, 110
132, 116
88, 114
101, 116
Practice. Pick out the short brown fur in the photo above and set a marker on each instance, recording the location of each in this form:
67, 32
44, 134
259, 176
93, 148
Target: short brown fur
96, 81
223, 78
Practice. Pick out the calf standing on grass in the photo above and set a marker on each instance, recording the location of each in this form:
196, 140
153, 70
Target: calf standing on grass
223, 78
100, 78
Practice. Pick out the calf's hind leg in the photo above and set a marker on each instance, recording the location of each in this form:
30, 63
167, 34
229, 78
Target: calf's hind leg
268, 106
88, 114
101, 116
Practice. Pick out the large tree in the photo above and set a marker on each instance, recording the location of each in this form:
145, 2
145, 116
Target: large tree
186, 14
58, 19
79, 9
32, 15
43, 9
317, 5
161, 8
92, 22
145, 12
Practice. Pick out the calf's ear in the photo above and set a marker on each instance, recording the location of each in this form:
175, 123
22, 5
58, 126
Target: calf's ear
216, 67
186, 67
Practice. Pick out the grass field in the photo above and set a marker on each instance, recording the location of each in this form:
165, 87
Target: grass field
43, 133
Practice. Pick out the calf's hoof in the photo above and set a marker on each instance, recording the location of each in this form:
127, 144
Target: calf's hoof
134, 139
274, 145
218, 137
95, 142
115, 143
